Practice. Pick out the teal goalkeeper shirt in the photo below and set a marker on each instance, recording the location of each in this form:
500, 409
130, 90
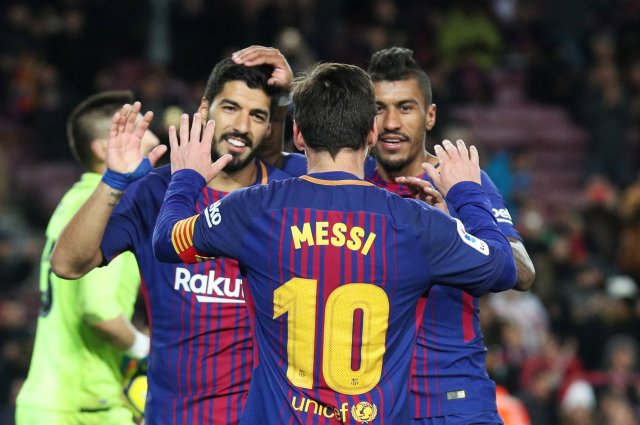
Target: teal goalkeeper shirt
72, 367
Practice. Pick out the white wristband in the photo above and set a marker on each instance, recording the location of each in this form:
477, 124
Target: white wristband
140, 347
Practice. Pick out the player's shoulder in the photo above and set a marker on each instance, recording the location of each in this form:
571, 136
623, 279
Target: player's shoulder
294, 164
275, 173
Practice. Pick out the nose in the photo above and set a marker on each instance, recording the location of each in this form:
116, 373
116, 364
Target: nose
391, 120
242, 122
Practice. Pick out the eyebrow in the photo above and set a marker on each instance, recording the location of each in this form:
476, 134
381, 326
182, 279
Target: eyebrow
237, 105
399, 102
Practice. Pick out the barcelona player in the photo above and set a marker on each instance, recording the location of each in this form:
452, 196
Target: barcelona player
334, 265
201, 346
450, 383
84, 326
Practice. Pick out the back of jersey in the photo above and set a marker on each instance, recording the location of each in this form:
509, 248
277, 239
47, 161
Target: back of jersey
333, 292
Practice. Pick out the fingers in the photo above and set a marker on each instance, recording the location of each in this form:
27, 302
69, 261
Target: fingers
184, 129
196, 128
209, 131
122, 119
157, 152
258, 55
130, 123
433, 174
173, 138
113, 131
462, 148
475, 157
143, 125
451, 150
222, 162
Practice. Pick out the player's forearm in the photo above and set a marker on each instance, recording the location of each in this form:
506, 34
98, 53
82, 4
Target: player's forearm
121, 334
77, 250
525, 273
474, 209
178, 205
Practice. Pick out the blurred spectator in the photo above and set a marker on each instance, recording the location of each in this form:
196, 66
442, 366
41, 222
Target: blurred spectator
511, 410
601, 221
578, 405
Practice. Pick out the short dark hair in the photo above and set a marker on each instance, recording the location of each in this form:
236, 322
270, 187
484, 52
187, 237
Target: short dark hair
83, 122
334, 107
255, 77
397, 63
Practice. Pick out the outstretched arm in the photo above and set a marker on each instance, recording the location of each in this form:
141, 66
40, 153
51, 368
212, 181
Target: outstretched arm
77, 250
191, 170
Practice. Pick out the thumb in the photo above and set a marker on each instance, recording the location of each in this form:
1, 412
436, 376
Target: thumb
217, 166
156, 154
433, 174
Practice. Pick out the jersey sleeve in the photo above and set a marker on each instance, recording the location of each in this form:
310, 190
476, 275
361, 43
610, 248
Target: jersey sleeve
102, 292
183, 236
476, 258
499, 208
127, 226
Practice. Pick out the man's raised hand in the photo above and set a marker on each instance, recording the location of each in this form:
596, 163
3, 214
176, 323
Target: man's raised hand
124, 153
457, 164
190, 151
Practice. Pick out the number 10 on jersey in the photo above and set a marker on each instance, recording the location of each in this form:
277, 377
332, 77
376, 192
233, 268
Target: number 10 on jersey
298, 298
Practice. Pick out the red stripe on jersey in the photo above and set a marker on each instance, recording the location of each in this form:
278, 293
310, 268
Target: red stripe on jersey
356, 347
467, 317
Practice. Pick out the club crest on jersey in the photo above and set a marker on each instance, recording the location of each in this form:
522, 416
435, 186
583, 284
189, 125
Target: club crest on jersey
364, 412
212, 214
475, 243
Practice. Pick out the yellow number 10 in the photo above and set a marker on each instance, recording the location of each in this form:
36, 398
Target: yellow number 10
298, 298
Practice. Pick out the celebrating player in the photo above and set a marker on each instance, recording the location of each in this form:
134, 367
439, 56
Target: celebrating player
84, 327
449, 372
334, 265
201, 358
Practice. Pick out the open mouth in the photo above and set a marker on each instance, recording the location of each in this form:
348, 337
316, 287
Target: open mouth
236, 145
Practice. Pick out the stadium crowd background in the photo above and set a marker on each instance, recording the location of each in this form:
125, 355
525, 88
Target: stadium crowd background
548, 90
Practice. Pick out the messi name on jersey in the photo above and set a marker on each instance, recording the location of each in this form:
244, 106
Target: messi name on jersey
338, 234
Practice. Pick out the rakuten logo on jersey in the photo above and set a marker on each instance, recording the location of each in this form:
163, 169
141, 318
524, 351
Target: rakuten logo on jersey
209, 288
502, 215
212, 214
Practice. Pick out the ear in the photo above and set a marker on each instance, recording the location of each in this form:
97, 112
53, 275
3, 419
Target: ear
99, 150
204, 109
431, 117
298, 138
372, 137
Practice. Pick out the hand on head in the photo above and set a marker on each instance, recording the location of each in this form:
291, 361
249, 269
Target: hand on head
192, 149
457, 164
282, 75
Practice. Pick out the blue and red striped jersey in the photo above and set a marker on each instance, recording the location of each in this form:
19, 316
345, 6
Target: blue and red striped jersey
449, 373
201, 345
334, 268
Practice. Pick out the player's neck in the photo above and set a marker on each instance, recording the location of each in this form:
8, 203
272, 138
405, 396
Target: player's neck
229, 181
347, 160
412, 169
